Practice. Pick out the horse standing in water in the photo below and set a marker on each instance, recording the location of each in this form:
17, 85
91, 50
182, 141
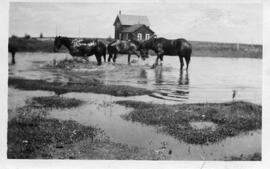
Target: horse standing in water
123, 47
162, 46
82, 47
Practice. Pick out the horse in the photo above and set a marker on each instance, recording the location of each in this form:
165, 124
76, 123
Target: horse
12, 48
123, 47
161, 46
82, 47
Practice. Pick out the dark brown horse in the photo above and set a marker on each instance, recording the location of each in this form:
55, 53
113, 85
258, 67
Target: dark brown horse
162, 46
84, 48
123, 47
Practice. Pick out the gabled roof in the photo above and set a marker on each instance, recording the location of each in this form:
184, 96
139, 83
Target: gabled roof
132, 19
135, 27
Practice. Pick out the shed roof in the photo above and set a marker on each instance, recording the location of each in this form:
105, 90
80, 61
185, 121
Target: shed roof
132, 19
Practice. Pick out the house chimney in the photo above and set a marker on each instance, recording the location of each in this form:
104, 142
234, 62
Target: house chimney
119, 12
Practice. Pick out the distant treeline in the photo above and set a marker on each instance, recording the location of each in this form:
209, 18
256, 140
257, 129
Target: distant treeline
211, 49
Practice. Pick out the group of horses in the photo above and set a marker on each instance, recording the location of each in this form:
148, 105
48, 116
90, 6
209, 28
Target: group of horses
86, 47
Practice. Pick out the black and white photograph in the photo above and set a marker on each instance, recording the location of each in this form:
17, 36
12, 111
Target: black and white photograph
134, 81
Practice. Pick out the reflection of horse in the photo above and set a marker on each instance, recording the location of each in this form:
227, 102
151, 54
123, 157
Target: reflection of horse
183, 80
82, 47
122, 47
12, 48
159, 74
162, 46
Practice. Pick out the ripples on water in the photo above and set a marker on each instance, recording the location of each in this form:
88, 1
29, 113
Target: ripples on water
209, 79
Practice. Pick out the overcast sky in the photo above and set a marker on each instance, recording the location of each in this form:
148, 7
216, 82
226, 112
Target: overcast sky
205, 22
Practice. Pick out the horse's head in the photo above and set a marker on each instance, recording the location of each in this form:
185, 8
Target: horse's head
57, 43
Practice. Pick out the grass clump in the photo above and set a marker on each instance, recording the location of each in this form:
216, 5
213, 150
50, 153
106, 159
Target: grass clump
55, 102
230, 118
60, 88
31, 135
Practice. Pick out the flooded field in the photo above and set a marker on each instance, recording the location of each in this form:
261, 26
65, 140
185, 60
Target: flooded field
101, 111
208, 80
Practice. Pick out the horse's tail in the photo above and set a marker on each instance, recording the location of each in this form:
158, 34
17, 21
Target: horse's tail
188, 56
187, 50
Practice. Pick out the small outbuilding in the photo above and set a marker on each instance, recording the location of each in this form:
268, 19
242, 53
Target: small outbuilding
132, 27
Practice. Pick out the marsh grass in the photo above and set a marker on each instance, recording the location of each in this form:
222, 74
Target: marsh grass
61, 88
230, 118
55, 102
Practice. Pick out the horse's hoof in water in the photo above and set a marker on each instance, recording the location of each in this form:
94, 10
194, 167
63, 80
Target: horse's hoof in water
153, 66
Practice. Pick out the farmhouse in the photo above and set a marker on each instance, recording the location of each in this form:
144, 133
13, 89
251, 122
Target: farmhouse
132, 26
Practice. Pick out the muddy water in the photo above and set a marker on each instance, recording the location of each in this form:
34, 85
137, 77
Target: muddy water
209, 79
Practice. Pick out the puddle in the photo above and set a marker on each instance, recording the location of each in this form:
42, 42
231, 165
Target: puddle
203, 125
99, 110
17, 98
102, 112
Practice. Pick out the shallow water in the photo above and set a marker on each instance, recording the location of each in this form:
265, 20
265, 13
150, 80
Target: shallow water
209, 79
99, 110
102, 112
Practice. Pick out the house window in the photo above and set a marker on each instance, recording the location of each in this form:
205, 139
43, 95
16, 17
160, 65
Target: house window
120, 36
139, 36
147, 36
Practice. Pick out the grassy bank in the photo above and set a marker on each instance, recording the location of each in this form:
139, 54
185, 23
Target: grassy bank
211, 49
60, 88
228, 119
32, 135
231, 50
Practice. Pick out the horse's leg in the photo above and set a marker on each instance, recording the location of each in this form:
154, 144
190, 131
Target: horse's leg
161, 59
187, 58
110, 56
156, 62
114, 58
98, 57
13, 58
129, 58
104, 56
181, 62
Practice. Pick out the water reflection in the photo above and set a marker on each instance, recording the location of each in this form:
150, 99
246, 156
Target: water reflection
183, 79
159, 75
171, 86
142, 77
209, 79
